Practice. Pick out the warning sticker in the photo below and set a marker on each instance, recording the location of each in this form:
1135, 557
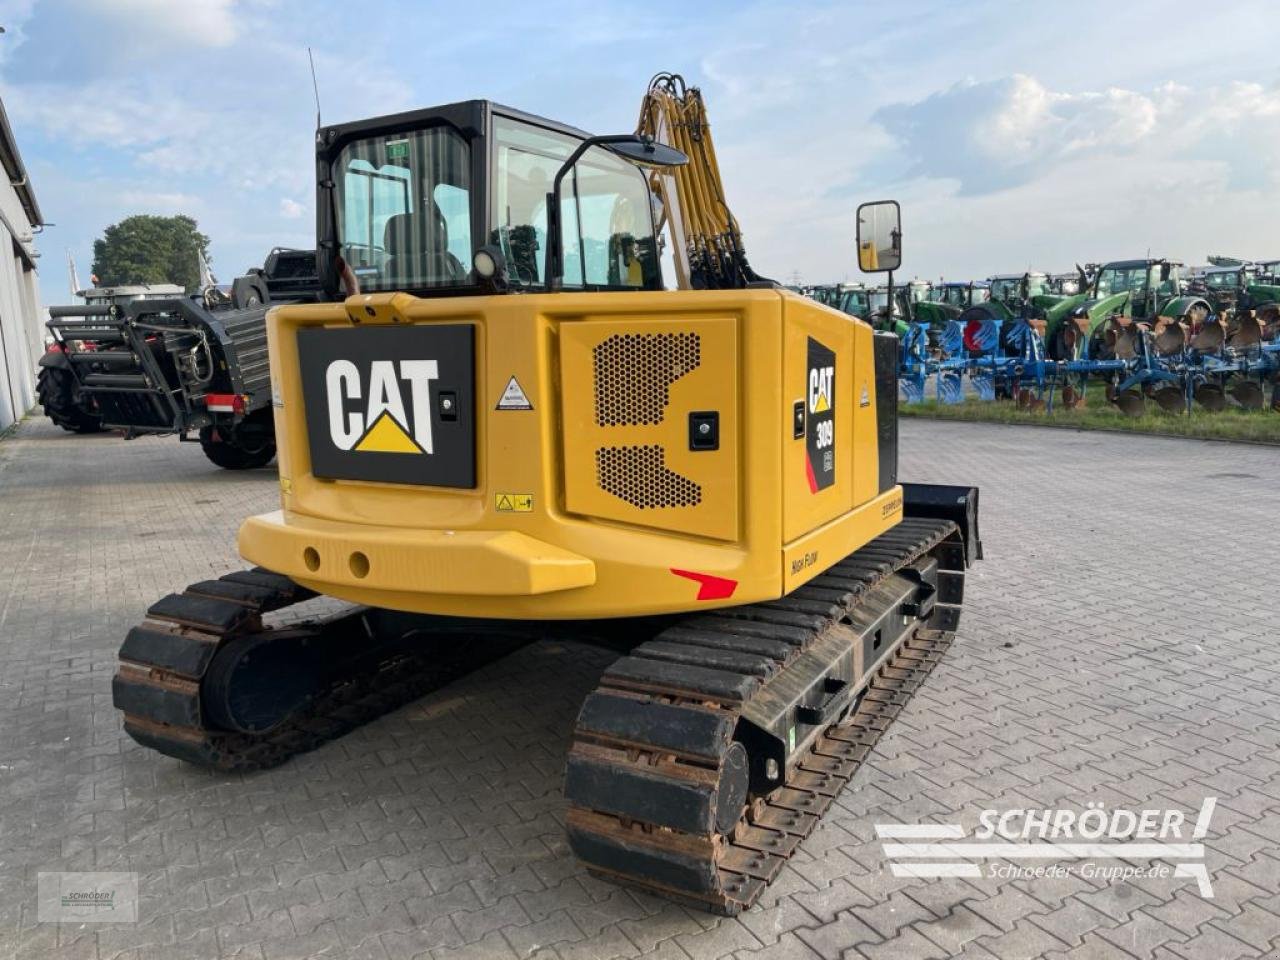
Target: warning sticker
820, 438
513, 502
514, 397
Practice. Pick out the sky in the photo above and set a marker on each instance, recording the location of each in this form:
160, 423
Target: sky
1016, 136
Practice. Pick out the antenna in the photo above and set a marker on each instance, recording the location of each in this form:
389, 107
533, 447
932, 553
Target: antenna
314, 87
71, 275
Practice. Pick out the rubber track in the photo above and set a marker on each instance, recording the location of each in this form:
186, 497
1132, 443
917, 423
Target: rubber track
164, 659
645, 761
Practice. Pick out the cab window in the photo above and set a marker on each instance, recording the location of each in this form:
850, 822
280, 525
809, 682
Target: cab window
403, 209
1121, 279
605, 211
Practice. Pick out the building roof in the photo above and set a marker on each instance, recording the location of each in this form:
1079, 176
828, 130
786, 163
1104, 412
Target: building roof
11, 160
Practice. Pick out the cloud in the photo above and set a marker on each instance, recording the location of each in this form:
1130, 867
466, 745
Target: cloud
151, 201
999, 134
121, 115
214, 23
1059, 149
1008, 174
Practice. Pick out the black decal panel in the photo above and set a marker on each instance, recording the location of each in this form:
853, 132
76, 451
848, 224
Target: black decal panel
820, 400
392, 404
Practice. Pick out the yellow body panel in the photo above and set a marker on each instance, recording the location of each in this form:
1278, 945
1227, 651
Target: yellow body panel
539, 535
590, 423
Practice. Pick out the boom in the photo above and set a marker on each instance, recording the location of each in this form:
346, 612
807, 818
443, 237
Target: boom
709, 254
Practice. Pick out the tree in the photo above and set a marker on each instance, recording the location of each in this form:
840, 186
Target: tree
150, 249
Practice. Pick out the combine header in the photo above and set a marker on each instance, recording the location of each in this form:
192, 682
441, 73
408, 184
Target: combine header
157, 362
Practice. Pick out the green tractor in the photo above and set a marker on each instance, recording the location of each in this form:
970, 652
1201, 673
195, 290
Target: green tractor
908, 300
1016, 290
1246, 297
827, 294
1268, 271
1067, 284
1224, 287
961, 294
854, 299
1008, 297
1125, 296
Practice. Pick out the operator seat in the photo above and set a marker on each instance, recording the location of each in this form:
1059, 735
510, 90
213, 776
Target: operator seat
417, 248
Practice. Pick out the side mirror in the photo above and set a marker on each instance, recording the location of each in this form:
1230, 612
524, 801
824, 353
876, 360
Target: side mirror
879, 236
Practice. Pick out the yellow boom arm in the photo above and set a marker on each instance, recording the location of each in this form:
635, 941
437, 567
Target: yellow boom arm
708, 244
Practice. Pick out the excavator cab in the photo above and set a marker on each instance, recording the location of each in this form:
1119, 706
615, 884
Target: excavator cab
407, 201
491, 435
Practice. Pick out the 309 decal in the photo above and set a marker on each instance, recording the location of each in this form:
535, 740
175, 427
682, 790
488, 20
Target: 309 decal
820, 438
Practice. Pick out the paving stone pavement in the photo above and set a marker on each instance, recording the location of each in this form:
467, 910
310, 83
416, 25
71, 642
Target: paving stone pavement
1119, 645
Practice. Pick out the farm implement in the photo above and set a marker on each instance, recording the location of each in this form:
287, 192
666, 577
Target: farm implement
1133, 328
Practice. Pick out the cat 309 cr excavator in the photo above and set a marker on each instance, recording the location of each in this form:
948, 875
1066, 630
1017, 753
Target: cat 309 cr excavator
499, 427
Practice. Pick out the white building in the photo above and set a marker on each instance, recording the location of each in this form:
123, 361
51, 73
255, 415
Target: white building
21, 330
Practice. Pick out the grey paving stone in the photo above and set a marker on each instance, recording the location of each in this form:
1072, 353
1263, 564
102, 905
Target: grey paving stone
668, 923
955, 928
1070, 922
1007, 907
825, 904
1140, 935
787, 947
1025, 941
491, 947
1256, 925
528, 939
723, 938
908, 943
439, 828
608, 944
767, 925
1214, 944
472, 925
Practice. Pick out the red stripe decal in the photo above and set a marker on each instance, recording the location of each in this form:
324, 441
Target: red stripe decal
709, 587
808, 471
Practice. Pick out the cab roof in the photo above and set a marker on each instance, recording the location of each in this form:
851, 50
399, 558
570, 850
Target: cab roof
1133, 264
469, 117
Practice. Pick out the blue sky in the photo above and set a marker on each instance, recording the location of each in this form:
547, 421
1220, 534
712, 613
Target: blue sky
1015, 135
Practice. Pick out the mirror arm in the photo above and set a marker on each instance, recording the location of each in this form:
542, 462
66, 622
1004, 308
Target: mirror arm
555, 228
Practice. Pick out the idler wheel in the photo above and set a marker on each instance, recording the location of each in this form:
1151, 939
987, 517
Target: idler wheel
731, 792
256, 682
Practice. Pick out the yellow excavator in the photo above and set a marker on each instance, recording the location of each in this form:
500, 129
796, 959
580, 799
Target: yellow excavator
500, 427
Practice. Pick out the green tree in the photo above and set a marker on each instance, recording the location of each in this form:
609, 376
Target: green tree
150, 249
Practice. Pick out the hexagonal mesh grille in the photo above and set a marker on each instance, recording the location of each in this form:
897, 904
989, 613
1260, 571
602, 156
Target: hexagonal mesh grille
634, 373
639, 475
